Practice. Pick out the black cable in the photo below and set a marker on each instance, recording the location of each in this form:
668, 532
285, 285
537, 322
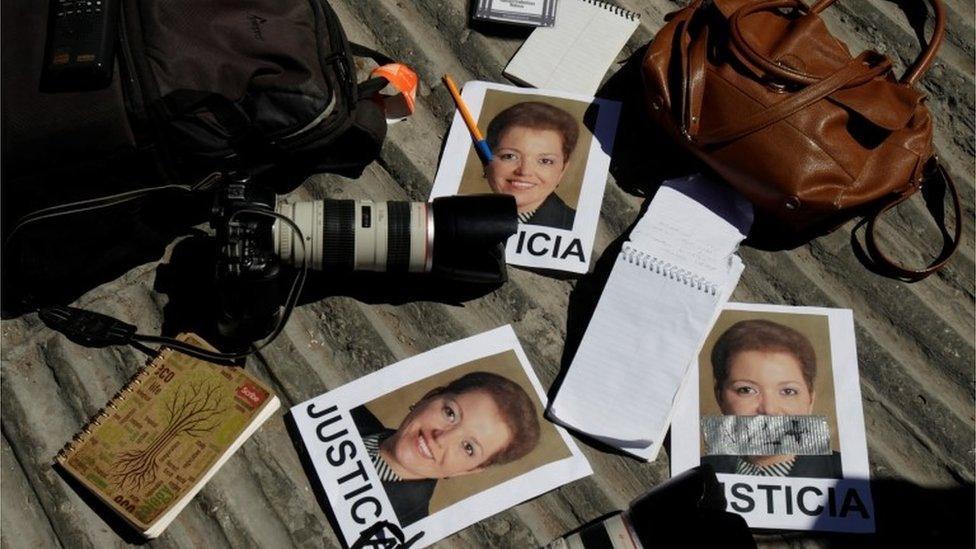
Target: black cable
293, 294
102, 202
95, 329
87, 205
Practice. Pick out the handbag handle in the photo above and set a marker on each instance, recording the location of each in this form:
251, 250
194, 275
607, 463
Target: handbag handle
855, 73
911, 76
949, 246
859, 69
925, 59
774, 68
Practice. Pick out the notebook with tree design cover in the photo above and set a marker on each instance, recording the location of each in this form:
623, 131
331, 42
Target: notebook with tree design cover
161, 438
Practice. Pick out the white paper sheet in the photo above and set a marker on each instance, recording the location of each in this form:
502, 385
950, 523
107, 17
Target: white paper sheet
539, 245
794, 503
360, 501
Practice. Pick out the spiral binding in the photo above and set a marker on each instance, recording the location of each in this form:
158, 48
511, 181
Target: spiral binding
112, 405
625, 13
669, 270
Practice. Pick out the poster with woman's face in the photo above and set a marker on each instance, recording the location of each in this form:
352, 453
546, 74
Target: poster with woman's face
551, 152
434, 443
776, 412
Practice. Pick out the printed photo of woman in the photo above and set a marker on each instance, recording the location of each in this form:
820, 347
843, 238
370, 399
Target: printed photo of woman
436, 442
762, 367
471, 424
551, 152
532, 144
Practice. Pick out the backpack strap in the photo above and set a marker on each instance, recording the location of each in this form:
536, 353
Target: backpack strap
243, 137
359, 50
949, 243
371, 87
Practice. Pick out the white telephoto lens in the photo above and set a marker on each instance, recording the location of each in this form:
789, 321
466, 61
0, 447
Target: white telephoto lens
361, 235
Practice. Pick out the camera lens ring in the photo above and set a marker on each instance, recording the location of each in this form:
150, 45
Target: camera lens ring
338, 235
398, 237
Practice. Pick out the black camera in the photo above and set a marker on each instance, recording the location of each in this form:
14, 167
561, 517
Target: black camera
458, 238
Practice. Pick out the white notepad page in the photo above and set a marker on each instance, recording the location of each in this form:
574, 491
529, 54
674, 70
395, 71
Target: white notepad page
576, 52
663, 295
649, 453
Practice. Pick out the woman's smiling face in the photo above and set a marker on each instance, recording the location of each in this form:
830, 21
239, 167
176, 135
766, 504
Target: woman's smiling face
765, 383
448, 435
528, 164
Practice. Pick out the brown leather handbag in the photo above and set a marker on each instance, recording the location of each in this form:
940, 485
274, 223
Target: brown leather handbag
777, 106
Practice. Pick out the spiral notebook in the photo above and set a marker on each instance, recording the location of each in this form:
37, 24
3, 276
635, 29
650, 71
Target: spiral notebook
665, 291
161, 438
575, 53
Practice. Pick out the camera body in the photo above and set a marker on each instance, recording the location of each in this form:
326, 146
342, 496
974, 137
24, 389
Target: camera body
454, 238
247, 268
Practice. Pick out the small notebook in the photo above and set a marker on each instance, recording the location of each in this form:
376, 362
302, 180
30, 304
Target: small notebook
576, 52
161, 438
664, 292
538, 13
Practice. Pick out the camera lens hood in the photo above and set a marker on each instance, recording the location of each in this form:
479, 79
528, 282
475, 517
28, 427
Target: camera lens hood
470, 234
479, 220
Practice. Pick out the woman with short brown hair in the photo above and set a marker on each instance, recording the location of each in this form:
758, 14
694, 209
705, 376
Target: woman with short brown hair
762, 368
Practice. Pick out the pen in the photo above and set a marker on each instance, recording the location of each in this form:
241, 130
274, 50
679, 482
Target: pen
479, 141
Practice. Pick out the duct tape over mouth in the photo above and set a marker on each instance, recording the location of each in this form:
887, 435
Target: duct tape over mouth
766, 435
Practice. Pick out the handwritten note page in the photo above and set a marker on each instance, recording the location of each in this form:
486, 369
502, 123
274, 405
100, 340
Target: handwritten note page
575, 54
662, 297
699, 234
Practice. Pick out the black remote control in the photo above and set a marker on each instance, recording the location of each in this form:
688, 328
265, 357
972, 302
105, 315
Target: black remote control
80, 50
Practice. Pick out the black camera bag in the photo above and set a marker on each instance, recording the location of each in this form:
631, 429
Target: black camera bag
260, 85
267, 86
199, 87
